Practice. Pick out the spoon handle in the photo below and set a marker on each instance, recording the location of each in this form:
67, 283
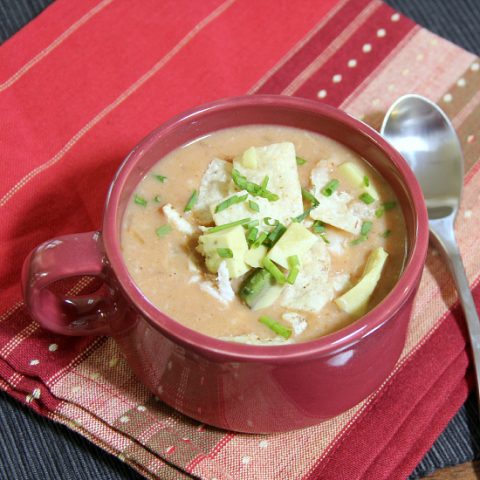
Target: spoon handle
445, 237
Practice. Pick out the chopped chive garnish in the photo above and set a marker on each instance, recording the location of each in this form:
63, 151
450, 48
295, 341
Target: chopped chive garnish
270, 196
229, 202
278, 328
274, 236
276, 273
264, 183
271, 222
253, 188
330, 187
389, 205
160, 178
293, 274
225, 226
252, 235
260, 239
157, 198
242, 182
250, 224
379, 212
325, 239
294, 265
365, 197
309, 197
253, 206
318, 227
366, 181
140, 201
293, 261
191, 201
163, 230
303, 216
366, 227
386, 233
300, 161
358, 240
225, 252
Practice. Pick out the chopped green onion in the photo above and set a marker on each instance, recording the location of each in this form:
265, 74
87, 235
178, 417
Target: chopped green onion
386, 233
325, 239
366, 227
274, 236
140, 201
293, 261
294, 265
225, 252
276, 273
256, 284
270, 196
242, 182
260, 239
160, 178
157, 198
252, 235
253, 206
330, 187
163, 230
264, 183
379, 212
303, 216
300, 161
191, 201
309, 197
251, 223
358, 240
292, 275
389, 205
366, 181
318, 227
271, 222
366, 198
225, 226
278, 328
229, 202
253, 188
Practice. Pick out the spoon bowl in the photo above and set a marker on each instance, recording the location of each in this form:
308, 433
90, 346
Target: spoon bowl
423, 134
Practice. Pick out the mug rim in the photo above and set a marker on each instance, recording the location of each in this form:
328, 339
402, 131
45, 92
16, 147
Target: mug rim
327, 344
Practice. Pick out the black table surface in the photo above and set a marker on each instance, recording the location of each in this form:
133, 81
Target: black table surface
33, 447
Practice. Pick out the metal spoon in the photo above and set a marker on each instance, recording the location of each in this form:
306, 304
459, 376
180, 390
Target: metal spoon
424, 136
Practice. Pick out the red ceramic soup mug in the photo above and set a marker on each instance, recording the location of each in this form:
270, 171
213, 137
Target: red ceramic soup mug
246, 388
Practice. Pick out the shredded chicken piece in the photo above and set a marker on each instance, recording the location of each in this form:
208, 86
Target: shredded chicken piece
176, 220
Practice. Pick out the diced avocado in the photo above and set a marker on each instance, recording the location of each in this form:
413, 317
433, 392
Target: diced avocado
249, 158
269, 297
259, 289
297, 240
254, 256
232, 238
355, 300
355, 176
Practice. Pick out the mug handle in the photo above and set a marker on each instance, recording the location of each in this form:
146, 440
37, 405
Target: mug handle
60, 258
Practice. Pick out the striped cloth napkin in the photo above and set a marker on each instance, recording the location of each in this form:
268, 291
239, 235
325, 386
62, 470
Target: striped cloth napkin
84, 82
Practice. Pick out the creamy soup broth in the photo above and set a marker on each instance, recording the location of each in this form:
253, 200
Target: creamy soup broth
170, 272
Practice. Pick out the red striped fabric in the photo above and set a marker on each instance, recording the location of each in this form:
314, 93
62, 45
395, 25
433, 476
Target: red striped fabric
329, 29
81, 85
357, 47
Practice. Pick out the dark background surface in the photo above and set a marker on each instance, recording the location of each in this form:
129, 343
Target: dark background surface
33, 447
